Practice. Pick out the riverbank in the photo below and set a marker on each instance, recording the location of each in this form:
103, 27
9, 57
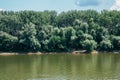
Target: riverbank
71, 52
30, 53
17, 53
39, 53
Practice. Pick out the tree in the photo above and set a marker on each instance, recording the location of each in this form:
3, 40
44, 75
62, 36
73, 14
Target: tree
106, 45
7, 41
50, 31
28, 38
86, 36
84, 27
115, 42
89, 45
101, 34
69, 34
55, 44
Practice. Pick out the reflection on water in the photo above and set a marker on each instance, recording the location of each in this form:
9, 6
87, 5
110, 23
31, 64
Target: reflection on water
60, 67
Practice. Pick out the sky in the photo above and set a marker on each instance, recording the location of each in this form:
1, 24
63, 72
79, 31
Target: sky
59, 5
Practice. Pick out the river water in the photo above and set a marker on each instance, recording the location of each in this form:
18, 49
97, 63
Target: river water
60, 67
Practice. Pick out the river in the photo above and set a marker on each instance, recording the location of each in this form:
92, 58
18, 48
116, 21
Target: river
60, 67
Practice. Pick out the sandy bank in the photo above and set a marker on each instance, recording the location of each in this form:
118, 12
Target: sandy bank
13, 53
72, 52
7, 53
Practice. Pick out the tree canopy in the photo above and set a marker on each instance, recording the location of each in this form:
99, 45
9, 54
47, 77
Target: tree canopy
50, 31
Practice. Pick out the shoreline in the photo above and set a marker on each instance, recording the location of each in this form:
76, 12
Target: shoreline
71, 52
19, 53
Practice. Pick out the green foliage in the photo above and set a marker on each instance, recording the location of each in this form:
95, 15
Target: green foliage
106, 45
49, 31
44, 45
69, 35
28, 37
89, 45
55, 44
84, 27
115, 42
7, 41
101, 34
86, 36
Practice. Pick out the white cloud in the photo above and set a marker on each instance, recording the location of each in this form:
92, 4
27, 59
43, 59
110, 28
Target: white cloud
85, 3
116, 5
1, 9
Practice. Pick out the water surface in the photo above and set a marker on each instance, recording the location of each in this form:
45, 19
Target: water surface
60, 67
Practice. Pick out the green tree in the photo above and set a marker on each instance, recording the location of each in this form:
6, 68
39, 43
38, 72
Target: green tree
89, 45
69, 35
115, 42
106, 45
84, 27
38, 31
7, 41
101, 34
28, 38
55, 44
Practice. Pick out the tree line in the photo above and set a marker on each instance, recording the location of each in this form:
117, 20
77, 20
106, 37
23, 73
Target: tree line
52, 32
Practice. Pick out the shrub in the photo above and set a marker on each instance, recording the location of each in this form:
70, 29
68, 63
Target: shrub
106, 45
89, 45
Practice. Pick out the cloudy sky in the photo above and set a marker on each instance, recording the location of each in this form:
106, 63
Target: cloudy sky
59, 5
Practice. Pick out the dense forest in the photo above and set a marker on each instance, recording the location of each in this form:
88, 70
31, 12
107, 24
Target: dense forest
52, 32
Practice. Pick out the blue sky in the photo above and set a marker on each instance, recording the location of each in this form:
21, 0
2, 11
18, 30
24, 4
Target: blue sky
58, 5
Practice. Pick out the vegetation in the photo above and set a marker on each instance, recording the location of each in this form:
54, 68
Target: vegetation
52, 32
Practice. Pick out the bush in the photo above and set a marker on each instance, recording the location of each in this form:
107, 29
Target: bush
106, 45
89, 45
27, 39
56, 44
116, 42
7, 41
